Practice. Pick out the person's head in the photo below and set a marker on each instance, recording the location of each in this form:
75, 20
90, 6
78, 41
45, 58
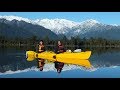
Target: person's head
41, 42
59, 43
41, 68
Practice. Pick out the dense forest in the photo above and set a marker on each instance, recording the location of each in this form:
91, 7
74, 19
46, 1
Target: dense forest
74, 41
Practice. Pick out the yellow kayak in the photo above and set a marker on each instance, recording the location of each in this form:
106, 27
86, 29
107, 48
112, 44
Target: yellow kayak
79, 58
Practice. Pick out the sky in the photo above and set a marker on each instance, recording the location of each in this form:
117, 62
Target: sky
103, 17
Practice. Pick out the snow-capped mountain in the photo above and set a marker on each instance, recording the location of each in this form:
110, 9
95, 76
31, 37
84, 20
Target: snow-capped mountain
63, 26
17, 28
59, 26
92, 28
89, 23
88, 28
84, 26
10, 18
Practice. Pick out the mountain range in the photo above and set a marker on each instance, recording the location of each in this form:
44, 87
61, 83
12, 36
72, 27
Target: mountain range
18, 26
22, 29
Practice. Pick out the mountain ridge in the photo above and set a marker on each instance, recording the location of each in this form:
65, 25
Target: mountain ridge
88, 28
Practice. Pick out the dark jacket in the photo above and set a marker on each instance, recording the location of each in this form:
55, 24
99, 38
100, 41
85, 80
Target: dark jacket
59, 49
59, 65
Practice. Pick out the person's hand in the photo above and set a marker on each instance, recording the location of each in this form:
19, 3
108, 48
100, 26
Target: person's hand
40, 50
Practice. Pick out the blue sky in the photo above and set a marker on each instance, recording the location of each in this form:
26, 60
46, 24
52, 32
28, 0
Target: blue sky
103, 17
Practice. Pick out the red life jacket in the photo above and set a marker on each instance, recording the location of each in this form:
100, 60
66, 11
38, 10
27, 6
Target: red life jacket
61, 48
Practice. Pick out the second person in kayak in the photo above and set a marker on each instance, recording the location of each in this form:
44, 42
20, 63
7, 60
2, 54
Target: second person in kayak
60, 48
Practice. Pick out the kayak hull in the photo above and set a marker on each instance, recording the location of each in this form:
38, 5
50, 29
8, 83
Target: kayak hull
79, 58
79, 55
31, 55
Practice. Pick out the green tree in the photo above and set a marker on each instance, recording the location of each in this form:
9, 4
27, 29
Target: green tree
46, 40
65, 40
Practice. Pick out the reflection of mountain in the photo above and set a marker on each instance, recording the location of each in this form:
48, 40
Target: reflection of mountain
14, 61
106, 59
11, 59
48, 67
16, 65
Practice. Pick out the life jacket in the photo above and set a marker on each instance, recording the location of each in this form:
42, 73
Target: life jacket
41, 47
60, 48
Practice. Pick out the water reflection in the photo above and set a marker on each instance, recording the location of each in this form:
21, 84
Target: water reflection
49, 67
41, 63
59, 65
107, 59
14, 60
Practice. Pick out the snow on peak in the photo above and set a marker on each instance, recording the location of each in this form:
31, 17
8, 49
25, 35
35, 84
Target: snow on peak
10, 18
51, 23
114, 24
92, 21
89, 22
56, 24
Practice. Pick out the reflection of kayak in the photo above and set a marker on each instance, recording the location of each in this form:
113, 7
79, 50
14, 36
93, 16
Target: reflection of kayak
81, 62
79, 58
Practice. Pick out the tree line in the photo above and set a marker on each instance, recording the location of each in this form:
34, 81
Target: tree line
73, 41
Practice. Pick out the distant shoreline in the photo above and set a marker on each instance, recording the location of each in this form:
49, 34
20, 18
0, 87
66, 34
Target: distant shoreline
28, 45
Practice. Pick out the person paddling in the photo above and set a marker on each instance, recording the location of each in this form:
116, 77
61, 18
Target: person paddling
60, 48
41, 48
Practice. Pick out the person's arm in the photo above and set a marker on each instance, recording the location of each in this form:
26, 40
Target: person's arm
41, 50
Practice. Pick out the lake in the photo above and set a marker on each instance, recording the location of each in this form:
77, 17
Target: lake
105, 64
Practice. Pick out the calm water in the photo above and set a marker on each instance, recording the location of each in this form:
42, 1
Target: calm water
105, 64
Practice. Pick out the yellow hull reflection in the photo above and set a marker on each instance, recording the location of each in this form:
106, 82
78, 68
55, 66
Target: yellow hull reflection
80, 58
